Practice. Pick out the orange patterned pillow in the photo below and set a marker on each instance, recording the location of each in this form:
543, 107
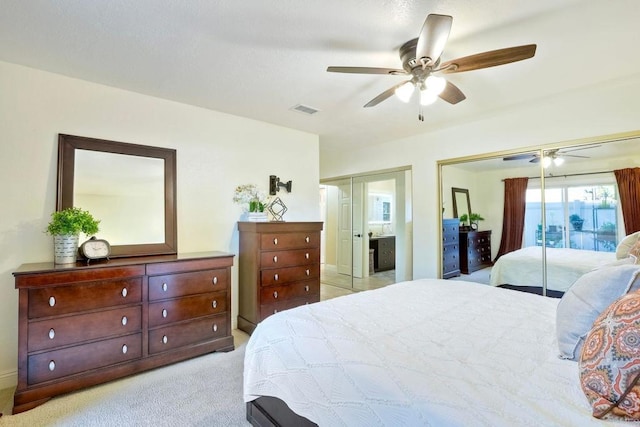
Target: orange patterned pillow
610, 361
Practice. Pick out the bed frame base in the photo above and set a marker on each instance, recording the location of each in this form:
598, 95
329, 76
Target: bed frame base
267, 411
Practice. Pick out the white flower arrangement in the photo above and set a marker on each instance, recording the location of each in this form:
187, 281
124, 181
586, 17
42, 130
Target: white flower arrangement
251, 198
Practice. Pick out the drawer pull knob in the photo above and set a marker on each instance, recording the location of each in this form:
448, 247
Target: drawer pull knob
275, 241
164, 313
124, 349
164, 287
124, 292
52, 301
275, 258
275, 294
214, 304
52, 365
306, 255
307, 271
124, 320
306, 239
276, 277
215, 280
306, 288
215, 327
164, 339
52, 334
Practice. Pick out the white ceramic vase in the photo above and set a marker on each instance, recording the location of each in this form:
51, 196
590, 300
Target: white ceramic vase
65, 249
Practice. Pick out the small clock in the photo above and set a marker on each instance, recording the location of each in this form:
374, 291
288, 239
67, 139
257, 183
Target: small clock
95, 249
474, 226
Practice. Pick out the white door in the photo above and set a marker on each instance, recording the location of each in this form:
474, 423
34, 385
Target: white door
358, 228
344, 229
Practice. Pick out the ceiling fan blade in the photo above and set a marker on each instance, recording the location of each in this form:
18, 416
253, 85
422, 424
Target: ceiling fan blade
452, 94
366, 70
519, 156
536, 159
384, 95
572, 155
489, 59
433, 37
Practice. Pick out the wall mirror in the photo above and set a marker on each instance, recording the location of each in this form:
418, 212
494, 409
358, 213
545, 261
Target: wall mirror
130, 188
461, 202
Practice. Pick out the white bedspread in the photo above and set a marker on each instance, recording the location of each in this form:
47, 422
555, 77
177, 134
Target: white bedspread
524, 266
422, 353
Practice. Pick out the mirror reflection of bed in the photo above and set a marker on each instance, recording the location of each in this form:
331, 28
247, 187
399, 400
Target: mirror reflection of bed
573, 220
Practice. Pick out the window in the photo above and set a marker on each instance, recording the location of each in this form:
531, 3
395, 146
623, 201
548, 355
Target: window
577, 216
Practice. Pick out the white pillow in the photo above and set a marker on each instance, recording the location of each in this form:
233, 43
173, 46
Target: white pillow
589, 296
622, 250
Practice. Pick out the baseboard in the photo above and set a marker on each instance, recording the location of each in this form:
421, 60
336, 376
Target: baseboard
8, 379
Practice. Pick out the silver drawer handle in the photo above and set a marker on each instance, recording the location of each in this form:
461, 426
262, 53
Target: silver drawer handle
214, 304
124, 349
215, 280
164, 339
275, 241
124, 292
306, 255
52, 301
52, 365
275, 294
164, 312
52, 334
276, 277
306, 288
164, 287
307, 271
306, 239
275, 258
124, 320
215, 327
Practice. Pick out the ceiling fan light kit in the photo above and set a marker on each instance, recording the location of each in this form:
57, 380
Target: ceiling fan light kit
421, 59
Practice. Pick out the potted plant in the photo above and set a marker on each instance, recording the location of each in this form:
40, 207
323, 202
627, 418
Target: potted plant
576, 221
65, 227
473, 220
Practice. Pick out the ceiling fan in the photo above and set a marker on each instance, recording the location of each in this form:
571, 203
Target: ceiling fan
421, 61
554, 156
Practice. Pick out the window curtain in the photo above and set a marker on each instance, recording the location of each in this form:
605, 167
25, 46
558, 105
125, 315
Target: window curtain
515, 200
629, 190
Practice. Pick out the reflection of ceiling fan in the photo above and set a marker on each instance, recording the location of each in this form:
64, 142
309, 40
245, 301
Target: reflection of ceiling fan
550, 156
421, 59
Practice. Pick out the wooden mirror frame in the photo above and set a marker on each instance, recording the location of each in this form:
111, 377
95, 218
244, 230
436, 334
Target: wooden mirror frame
455, 191
67, 146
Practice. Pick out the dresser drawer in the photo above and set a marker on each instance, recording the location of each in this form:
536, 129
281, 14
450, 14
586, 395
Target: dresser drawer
57, 300
267, 310
62, 331
279, 276
187, 333
197, 282
175, 310
272, 294
289, 258
277, 241
72, 360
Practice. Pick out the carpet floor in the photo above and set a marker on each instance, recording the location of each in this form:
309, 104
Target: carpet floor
205, 391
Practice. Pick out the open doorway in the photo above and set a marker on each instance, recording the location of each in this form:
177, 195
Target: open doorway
367, 237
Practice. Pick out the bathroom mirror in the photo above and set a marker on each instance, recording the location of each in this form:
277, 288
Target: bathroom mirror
130, 188
461, 202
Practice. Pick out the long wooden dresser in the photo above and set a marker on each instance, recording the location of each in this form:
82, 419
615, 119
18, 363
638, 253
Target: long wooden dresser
279, 268
82, 325
475, 250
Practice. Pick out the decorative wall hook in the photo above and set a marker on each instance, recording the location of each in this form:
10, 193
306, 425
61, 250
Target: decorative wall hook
275, 184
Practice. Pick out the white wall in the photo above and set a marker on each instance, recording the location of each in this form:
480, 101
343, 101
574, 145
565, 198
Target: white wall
215, 152
610, 107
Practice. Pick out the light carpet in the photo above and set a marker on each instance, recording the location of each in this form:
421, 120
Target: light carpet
205, 391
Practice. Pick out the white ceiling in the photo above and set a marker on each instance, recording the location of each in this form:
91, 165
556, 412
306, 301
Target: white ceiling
259, 58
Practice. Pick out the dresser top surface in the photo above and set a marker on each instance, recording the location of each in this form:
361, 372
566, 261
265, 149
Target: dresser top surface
279, 226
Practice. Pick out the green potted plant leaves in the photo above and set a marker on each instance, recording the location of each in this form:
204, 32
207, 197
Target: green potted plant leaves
472, 220
65, 227
576, 221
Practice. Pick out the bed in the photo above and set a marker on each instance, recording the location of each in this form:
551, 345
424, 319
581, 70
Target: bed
428, 352
523, 268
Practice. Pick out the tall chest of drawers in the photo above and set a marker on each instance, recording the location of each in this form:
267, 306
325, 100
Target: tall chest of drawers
84, 325
450, 248
475, 250
279, 268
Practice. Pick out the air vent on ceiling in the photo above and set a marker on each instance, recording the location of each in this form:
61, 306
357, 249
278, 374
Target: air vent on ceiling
305, 109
